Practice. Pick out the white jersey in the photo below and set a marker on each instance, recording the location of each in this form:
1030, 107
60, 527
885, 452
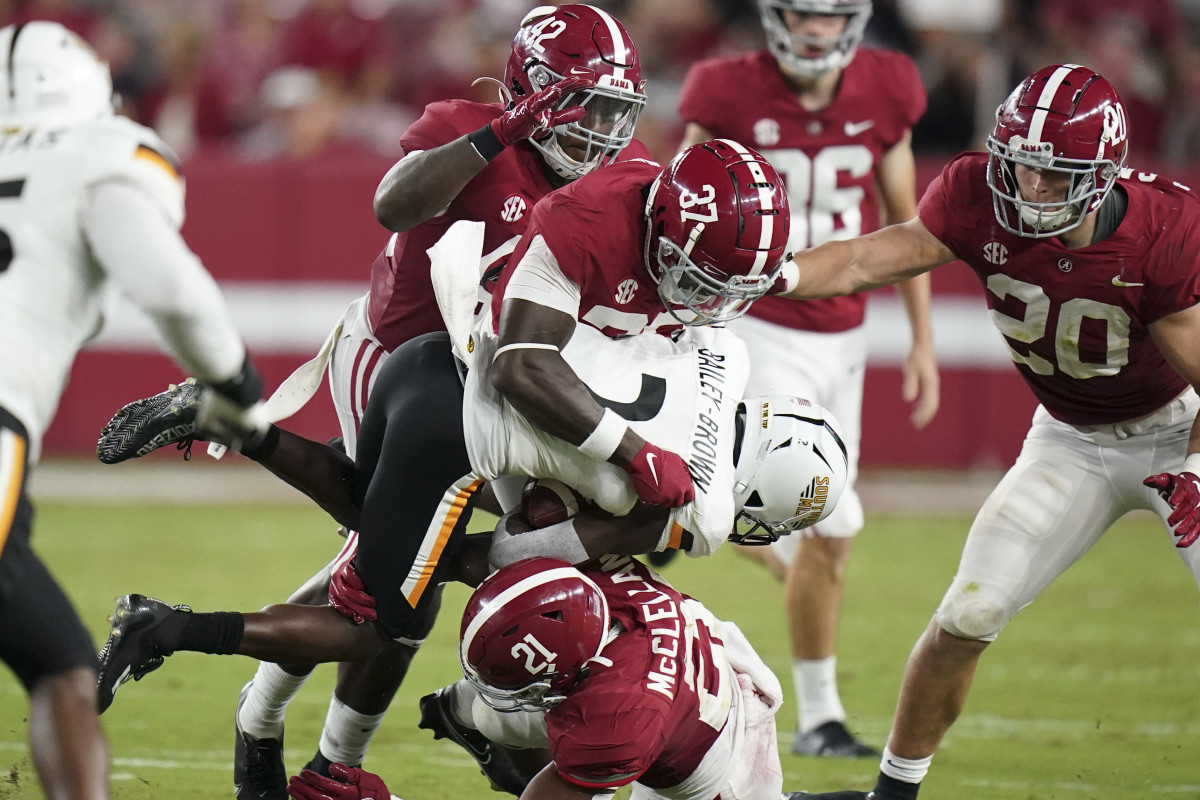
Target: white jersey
80, 206
682, 396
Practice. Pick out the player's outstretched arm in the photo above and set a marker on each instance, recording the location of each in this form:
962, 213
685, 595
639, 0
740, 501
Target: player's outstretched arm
886, 256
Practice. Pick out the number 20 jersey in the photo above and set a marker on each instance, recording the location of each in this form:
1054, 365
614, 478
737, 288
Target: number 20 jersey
1075, 321
827, 156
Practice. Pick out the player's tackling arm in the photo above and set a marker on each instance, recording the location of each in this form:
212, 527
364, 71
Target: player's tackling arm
886, 256
531, 374
421, 184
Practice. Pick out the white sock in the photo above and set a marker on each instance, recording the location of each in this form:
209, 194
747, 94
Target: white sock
909, 770
347, 733
272, 689
816, 688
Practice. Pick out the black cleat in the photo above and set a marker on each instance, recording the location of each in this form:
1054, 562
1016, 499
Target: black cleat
495, 764
832, 740
145, 425
134, 648
258, 770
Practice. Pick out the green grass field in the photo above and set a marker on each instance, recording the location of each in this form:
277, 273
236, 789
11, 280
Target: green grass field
1091, 693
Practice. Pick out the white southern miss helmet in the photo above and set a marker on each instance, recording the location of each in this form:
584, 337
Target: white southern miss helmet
50, 78
790, 470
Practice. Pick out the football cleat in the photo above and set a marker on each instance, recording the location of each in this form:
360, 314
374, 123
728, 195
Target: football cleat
134, 648
144, 426
493, 762
831, 740
258, 770
848, 794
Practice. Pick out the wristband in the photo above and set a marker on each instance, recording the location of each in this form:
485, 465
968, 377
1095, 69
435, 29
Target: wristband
1192, 464
602, 442
486, 142
244, 388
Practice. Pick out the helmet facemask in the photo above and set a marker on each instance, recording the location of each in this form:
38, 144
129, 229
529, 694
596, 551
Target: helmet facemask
787, 47
1089, 183
705, 290
611, 112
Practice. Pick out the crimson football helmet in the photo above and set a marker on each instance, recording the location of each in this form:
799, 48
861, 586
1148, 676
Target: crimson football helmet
790, 48
529, 631
1066, 119
556, 41
717, 228
790, 470
54, 78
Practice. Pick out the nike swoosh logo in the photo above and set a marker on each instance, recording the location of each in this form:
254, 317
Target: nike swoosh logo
1116, 281
855, 128
650, 463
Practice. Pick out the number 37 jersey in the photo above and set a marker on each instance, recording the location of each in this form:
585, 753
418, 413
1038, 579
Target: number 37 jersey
52, 291
1076, 321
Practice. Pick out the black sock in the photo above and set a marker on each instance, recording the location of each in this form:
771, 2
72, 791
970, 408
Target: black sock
888, 788
219, 633
260, 445
319, 764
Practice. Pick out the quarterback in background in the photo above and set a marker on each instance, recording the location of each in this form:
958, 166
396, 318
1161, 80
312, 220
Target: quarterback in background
90, 204
1090, 274
836, 123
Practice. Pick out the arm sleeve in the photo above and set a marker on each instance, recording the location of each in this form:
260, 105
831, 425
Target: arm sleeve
140, 249
538, 279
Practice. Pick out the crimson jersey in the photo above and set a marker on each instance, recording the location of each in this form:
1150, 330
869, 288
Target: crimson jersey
1075, 321
654, 704
827, 157
595, 228
402, 303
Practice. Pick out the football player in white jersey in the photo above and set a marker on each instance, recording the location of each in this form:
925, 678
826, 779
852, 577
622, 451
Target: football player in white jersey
90, 204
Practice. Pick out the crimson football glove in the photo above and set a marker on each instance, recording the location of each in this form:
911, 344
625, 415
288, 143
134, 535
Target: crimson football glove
661, 478
1182, 493
348, 596
535, 114
347, 783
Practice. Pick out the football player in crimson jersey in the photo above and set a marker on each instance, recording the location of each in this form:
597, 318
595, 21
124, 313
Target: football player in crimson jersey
92, 205
463, 160
645, 687
1090, 273
814, 105
691, 243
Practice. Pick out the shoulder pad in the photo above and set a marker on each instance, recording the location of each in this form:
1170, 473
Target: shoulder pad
122, 150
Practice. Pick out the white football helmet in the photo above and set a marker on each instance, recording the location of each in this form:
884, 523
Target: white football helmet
790, 470
51, 78
789, 48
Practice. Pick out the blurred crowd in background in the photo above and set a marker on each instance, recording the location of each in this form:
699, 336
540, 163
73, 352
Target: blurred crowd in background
269, 79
